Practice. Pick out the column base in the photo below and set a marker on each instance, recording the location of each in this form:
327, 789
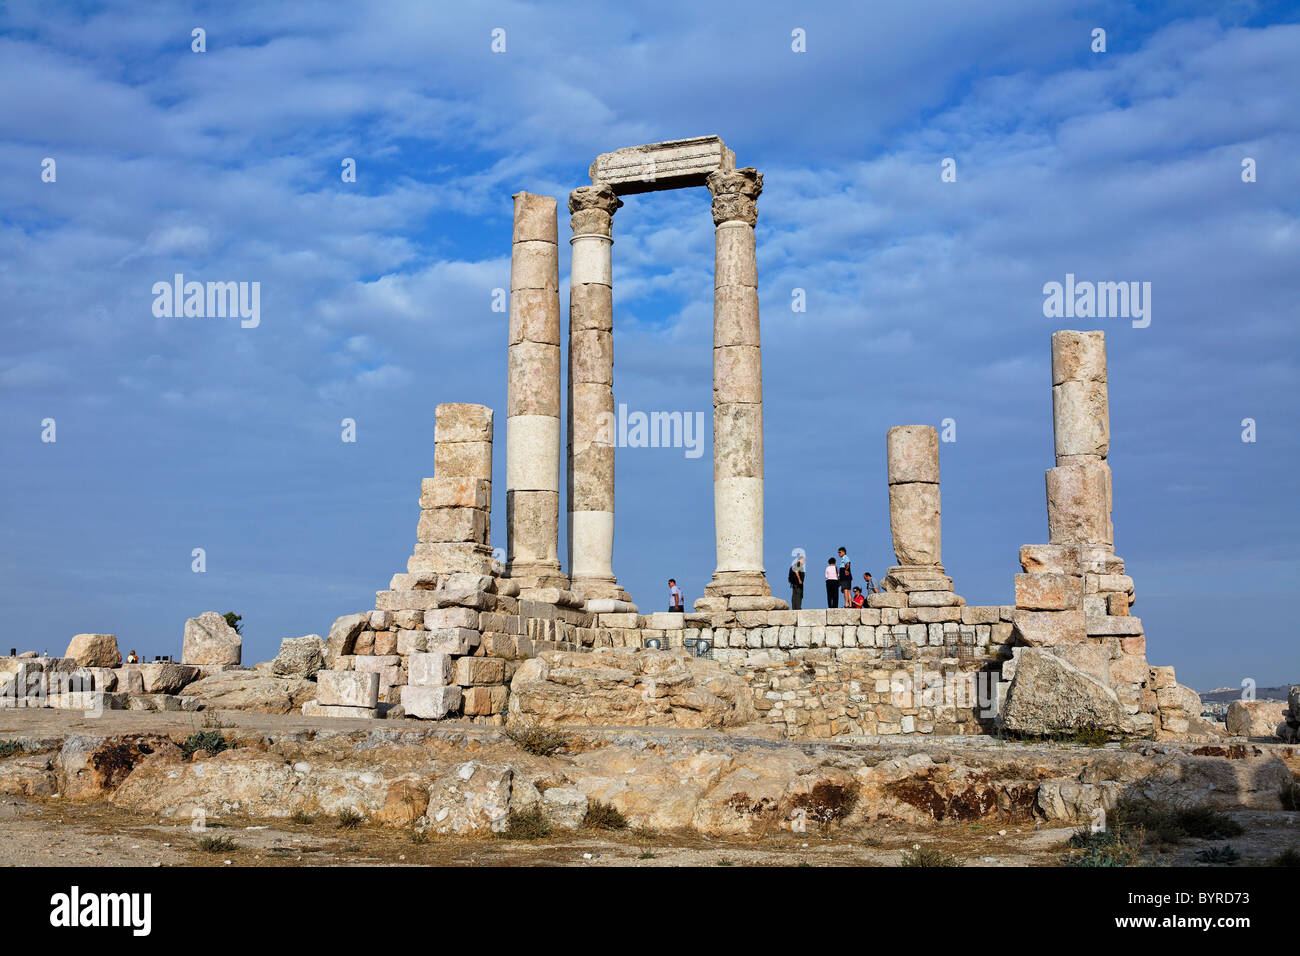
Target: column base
537, 575
600, 588
929, 577
739, 591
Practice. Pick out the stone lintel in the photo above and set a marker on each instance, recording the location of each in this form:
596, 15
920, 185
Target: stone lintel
674, 164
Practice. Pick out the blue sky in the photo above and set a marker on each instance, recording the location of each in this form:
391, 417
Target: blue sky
924, 298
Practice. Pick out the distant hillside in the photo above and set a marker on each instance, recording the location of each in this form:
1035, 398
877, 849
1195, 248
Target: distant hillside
1225, 695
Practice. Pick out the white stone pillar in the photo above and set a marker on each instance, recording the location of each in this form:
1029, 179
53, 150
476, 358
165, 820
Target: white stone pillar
737, 396
592, 431
533, 398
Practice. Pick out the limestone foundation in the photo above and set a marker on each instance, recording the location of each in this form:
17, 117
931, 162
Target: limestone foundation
533, 398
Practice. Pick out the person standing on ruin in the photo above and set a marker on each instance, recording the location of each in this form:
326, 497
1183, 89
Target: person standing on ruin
832, 584
869, 584
796, 579
846, 577
675, 597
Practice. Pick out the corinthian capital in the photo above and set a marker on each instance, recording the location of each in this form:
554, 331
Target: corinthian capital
592, 209
735, 194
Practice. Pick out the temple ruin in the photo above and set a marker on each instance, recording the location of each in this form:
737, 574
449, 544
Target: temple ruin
452, 634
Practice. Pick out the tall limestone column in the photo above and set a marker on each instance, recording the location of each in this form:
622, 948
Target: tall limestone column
914, 517
592, 430
737, 398
1079, 487
533, 398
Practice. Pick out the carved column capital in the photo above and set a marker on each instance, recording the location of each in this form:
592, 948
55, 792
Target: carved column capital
592, 209
735, 194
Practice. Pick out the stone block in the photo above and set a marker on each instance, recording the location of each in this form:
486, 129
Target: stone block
454, 617
484, 701
1113, 626
209, 640
668, 165
938, 615
429, 670
462, 422
1078, 504
471, 671
979, 615
411, 641
447, 525
1049, 592
1049, 628
914, 523
429, 702
347, 688
1050, 558
94, 650
912, 454
452, 640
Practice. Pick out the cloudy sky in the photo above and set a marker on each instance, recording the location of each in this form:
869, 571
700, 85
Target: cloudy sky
924, 298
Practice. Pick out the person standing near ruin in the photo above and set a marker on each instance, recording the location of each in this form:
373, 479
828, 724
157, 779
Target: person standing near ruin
832, 584
675, 597
846, 577
869, 584
796, 579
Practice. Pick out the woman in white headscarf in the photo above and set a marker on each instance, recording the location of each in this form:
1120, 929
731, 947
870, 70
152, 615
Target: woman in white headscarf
795, 578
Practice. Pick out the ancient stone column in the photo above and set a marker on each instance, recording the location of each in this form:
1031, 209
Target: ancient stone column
1079, 487
914, 515
591, 394
737, 394
533, 398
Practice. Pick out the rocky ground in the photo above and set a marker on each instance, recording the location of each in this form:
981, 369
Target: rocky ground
128, 788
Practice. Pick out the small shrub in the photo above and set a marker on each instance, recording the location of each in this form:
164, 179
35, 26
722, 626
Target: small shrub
1290, 795
828, 802
1175, 824
931, 856
9, 748
648, 855
526, 825
1092, 737
538, 741
233, 620
349, 818
724, 862
1218, 854
1206, 823
1288, 857
1114, 846
603, 816
302, 817
419, 835
216, 844
208, 740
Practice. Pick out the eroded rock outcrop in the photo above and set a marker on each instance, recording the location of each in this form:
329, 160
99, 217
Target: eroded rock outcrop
624, 687
251, 690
